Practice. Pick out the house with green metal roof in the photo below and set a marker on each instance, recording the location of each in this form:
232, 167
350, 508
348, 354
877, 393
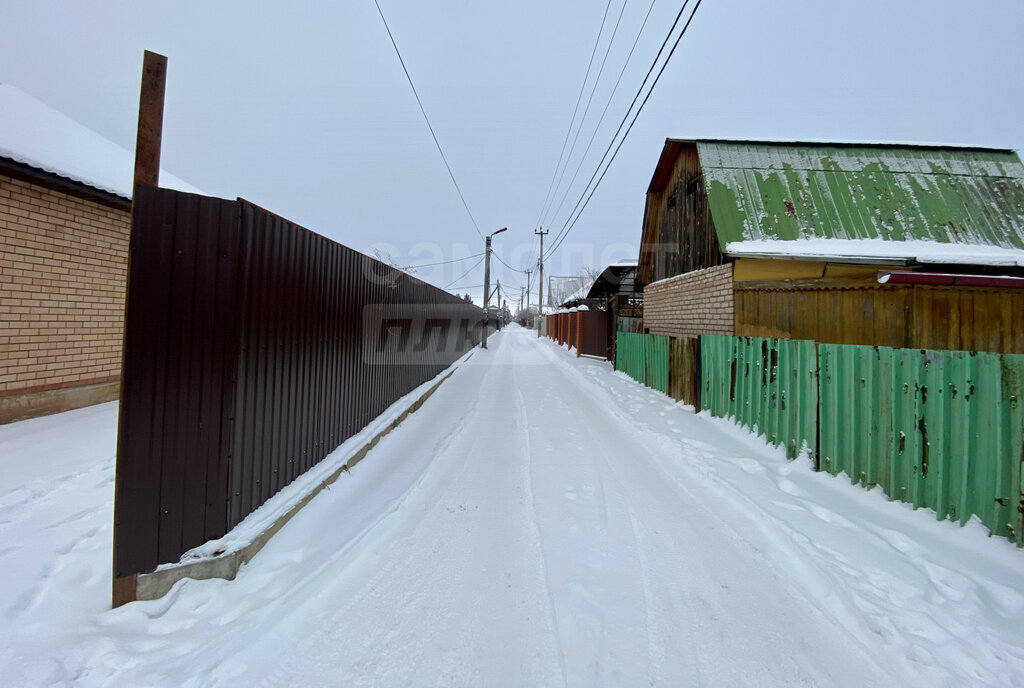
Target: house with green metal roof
889, 244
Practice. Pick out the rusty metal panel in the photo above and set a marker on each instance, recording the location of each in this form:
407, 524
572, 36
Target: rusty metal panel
767, 385
253, 348
937, 429
786, 191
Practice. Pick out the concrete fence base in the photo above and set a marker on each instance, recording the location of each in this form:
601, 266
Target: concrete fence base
151, 586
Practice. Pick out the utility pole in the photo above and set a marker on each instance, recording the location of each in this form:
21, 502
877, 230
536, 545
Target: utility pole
540, 294
487, 283
528, 292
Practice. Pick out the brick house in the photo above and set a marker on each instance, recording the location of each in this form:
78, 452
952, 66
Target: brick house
65, 204
891, 245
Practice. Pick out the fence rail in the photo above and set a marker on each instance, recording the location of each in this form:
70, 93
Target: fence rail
253, 348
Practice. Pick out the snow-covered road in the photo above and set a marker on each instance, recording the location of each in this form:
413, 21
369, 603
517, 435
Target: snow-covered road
541, 520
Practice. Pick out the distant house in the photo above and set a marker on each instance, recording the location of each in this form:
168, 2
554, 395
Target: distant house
895, 245
615, 291
65, 203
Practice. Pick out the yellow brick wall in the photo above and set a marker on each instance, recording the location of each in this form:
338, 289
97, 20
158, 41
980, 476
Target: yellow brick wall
692, 304
63, 262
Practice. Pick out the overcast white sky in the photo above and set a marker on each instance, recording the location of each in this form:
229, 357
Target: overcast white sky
303, 107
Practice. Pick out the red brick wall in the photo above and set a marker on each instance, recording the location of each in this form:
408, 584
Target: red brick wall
688, 305
63, 262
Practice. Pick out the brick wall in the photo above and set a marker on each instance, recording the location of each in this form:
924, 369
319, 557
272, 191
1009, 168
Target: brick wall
695, 303
63, 262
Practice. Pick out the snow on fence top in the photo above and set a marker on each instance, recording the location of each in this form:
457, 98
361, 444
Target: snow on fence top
35, 134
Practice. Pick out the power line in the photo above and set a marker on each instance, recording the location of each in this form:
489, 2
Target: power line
443, 262
427, 119
474, 267
586, 110
625, 117
604, 112
579, 99
495, 254
567, 227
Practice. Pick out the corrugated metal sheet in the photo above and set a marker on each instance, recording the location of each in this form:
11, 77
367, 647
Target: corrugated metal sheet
644, 357
594, 333
802, 191
768, 385
939, 429
630, 355
253, 348
656, 361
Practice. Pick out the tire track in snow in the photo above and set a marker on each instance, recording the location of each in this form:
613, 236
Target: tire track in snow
358, 554
428, 603
524, 432
588, 537
688, 613
642, 447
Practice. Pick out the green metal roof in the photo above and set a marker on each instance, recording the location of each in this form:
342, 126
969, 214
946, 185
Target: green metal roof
785, 191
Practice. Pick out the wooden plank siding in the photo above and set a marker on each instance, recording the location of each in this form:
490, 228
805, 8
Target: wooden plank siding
679, 234
683, 371
911, 317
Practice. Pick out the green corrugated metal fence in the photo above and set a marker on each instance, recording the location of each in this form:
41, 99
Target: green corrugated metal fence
629, 355
940, 429
768, 385
644, 357
656, 358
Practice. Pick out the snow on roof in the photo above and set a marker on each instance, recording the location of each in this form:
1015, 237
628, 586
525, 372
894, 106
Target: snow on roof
865, 197
580, 293
35, 134
877, 250
811, 141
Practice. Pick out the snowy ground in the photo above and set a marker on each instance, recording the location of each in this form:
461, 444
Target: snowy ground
541, 520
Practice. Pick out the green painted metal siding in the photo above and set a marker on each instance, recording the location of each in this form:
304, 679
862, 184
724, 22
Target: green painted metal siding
656, 350
644, 357
629, 355
768, 385
787, 191
939, 429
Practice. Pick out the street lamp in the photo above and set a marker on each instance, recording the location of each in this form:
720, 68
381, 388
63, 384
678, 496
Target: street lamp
487, 282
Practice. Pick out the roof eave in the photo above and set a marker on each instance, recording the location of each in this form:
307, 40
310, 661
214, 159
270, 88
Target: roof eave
663, 170
72, 187
825, 257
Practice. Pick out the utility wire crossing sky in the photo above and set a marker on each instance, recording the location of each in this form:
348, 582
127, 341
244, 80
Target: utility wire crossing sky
306, 111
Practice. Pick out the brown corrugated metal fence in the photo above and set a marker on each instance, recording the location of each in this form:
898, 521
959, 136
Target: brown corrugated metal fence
592, 333
253, 348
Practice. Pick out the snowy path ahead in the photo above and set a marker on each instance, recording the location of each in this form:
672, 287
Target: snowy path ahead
540, 521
